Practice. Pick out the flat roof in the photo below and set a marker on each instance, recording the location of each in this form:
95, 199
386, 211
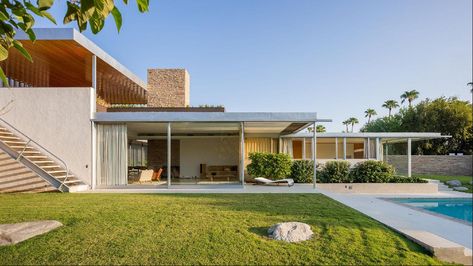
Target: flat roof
393, 135
207, 117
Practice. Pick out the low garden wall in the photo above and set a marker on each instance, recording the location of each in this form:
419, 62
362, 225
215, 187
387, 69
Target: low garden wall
433, 164
415, 188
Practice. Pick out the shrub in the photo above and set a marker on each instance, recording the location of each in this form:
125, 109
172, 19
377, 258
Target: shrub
372, 172
269, 165
405, 179
302, 171
335, 172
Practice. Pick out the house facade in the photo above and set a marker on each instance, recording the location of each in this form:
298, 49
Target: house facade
76, 119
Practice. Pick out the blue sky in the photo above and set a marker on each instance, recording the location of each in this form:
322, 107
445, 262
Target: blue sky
337, 58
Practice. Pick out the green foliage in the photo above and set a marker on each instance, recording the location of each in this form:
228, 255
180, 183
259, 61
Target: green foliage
449, 116
335, 172
405, 179
302, 171
372, 171
390, 105
18, 15
269, 165
409, 96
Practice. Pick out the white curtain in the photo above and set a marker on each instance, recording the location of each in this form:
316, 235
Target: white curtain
287, 146
112, 155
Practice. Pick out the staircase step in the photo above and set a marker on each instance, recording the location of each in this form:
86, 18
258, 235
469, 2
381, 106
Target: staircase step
56, 172
41, 162
15, 142
50, 166
59, 177
73, 181
22, 147
11, 137
36, 156
30, 152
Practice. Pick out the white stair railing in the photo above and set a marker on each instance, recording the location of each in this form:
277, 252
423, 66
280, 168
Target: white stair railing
42, 149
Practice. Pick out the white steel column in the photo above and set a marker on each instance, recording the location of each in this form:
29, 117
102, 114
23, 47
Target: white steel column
169, 155
377, 150
314, 153
242, 153
93, 126
336, 148
303, 149
368, 149
344, 148
409, 163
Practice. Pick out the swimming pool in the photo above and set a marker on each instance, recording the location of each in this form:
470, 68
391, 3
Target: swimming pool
457, 208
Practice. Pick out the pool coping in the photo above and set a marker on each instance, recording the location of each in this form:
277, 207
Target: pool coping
427, 211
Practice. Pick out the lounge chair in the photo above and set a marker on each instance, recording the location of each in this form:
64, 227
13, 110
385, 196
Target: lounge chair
265, 181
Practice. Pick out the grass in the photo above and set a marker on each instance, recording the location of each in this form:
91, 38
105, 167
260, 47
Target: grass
465, 180
199, 229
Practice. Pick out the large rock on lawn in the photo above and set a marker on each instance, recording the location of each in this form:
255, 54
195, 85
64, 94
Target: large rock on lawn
460, 188
454, 183
14, 233
290, 232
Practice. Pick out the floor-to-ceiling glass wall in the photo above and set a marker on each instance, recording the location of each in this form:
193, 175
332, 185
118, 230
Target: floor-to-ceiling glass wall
147, 155
205, 153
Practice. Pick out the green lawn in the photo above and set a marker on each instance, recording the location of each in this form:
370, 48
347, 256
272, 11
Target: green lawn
464, 179
199, 229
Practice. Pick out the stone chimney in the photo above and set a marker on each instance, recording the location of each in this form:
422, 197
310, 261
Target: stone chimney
168, 88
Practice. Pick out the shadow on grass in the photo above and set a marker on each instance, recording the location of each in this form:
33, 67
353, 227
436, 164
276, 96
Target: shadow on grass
260, 231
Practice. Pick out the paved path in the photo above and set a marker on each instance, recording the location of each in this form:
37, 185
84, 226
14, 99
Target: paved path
403, 218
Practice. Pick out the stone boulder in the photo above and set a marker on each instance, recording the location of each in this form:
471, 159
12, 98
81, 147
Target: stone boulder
460, 188
454, 183
14, 233
290, 232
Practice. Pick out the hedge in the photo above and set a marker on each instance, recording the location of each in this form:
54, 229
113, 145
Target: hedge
335, 172
269, 165
302, 171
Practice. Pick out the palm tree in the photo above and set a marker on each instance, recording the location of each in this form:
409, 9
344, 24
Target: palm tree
320, 128
353, 121
390, 104
346, 123
369, 113
409, 96
471, 85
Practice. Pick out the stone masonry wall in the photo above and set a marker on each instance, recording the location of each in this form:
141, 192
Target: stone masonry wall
168, 88
157, 153
433, 164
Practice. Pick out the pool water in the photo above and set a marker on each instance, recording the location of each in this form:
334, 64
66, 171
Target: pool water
458, 208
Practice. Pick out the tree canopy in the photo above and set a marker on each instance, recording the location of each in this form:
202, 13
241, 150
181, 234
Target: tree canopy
449, 116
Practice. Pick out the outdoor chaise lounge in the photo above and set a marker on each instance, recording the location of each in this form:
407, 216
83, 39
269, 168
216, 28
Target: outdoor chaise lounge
265, 181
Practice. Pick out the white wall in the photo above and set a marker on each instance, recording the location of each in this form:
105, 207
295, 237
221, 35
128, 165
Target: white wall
56, 118
210, 151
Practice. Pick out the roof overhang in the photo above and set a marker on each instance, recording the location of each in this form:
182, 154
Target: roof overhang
283, 123
63, 58
382, 135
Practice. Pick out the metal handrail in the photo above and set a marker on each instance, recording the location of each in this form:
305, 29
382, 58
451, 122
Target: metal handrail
42, 148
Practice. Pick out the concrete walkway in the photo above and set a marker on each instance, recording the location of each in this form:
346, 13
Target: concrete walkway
205, 189
402, 218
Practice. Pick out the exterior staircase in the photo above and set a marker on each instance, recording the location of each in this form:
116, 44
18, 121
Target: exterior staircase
39, 160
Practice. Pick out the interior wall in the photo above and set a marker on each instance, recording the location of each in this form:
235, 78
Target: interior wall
58, 119
210, 151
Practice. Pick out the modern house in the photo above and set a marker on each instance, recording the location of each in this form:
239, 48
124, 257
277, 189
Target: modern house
76, 119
